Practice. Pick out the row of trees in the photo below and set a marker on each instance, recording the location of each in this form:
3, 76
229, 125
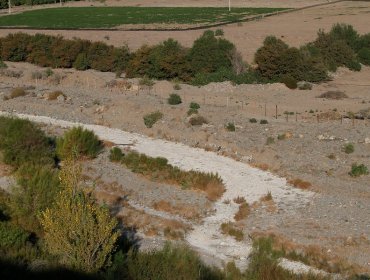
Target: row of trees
210, 59
4, 3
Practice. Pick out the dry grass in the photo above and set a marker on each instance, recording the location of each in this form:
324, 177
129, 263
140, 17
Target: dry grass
230, 229
243, 212
300, 184
54, 95
262, 166
239, 200
17, 92
336, 95
267, 197
186, 211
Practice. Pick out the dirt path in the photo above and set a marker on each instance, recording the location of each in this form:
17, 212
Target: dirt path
240, 180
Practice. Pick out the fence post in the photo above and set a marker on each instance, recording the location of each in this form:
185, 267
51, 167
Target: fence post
276, 110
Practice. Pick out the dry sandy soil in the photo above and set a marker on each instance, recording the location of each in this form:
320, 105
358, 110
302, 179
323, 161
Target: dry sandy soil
295, 28
337, 217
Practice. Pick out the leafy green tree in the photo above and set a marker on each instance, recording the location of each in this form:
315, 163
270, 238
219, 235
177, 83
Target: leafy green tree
77, 230
209, 53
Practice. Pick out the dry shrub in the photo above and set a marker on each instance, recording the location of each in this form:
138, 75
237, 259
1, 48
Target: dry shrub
336, 95
173, 234
214, 190
262, 166
107, 198
163, 205
11, 73
267, 197
239, 200
230, 229
197, 120
299, 183
17, 92
54, 95
329, 116
152, 231
243, 212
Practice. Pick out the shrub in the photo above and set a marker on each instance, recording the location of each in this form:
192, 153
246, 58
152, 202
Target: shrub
17, 92
304, 85
198, 120
116, 154
54, 95
243, 212
22, 142
264, 122
139, 62
194, 105
146, 81
345, 33
14, 47
192, 111
152, 118
174, 99
299, 183
358, 170
252, 120
270, 140
349, 148
230, 126
353, 65
289, 81
78, 142
364, 56
176, 86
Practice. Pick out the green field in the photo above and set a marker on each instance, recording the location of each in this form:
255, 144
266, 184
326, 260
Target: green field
106, 17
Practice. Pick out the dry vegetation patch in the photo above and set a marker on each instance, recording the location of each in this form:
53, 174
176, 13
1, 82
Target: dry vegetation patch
336, 95
299, 183
243, 212
186, 211
230, 229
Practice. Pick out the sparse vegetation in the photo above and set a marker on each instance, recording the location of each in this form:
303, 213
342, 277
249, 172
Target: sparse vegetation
243, 211
158, 169
239, 200
116, 154
349, 148
152, 118
333, 95
230, 229
299, 183
264, 122
197, 120
252, 120
17, 92
270, 140
54, 95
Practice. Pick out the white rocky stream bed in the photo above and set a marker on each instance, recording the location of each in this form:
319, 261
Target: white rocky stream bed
239, 178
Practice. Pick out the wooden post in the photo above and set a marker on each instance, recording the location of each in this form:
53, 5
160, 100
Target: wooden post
276, 110
296, 117
265, 110
341, 119
318, 119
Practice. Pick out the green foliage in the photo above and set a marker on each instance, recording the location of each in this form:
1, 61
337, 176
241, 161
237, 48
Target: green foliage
230, 126
81, 62
152, 118
219, 32
346, 33
230, 229
358, 170
22, 142
170, 263
36, 190
81, 233
264, 122
12, 235
174, 99
289, 81
194, 105
209, 53
349, 148
78, 142
115, 154
364, 56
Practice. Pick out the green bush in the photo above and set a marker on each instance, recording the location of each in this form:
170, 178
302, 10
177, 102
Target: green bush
219, 32
152, 118
264, 122
174, 99
358, 170
230, 126
23, 142
252, 120
209, 54
81, 62
78, 142
3, 65
364, 56
194, 105
116, 154
36, 190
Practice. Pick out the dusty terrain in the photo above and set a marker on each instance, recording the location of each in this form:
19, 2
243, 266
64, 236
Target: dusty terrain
336, 218
295, 28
